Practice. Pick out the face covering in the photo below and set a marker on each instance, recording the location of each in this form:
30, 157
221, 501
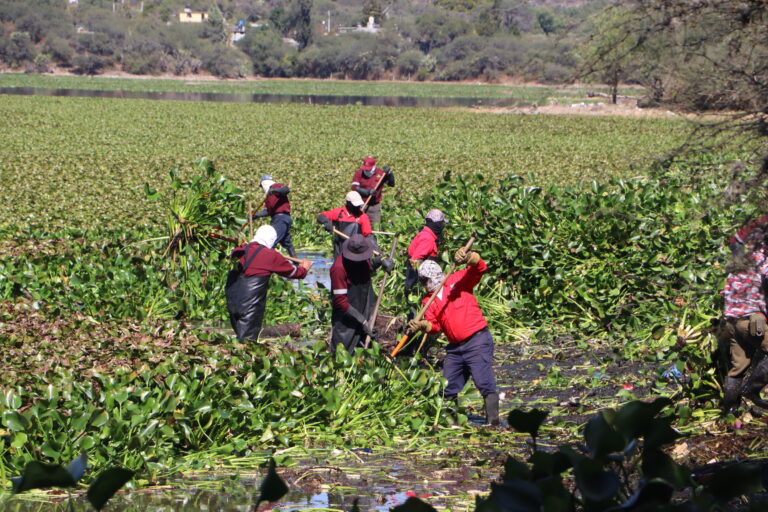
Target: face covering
353, 210
436, 227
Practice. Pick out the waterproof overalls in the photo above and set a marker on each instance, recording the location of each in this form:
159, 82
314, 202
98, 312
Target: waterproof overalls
351, 287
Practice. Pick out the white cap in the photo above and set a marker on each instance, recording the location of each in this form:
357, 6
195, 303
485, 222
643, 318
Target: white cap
265, 184
354, 198
266, 236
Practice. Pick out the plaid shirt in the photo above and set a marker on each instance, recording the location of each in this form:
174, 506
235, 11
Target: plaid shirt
743, 292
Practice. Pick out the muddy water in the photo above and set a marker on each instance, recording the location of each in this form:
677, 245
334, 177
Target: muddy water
308, 99
377, 483
319, 276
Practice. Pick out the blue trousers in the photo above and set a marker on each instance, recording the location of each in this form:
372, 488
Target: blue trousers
282, 224
472, 357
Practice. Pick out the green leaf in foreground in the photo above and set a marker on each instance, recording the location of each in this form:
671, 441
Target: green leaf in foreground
106, 485
272, 487
39, 476
528, 422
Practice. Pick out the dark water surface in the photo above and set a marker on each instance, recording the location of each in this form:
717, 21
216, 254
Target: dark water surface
377, 483
309, 99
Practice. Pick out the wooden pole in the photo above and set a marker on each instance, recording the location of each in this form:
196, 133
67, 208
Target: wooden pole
250, 219
375, 189
372, 321
408, 334
346, 236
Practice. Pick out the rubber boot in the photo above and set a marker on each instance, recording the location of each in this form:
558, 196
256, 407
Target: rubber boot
292, 252
492, 409
731, 394
755, 383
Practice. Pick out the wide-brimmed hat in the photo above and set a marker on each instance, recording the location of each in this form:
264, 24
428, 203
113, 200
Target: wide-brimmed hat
354, 198
369, 163
357, 248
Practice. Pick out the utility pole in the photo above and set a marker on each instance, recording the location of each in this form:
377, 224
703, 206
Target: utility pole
329, 23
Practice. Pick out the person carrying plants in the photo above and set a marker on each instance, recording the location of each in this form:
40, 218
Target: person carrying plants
424, 246
349, 220
368, 181
455, 311
247, 286
277, 206
352, 292
743, 326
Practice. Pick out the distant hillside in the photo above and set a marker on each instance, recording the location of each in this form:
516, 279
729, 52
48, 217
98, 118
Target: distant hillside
374, 39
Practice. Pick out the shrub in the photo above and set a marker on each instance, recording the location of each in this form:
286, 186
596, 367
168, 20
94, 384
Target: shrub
226, 62
409, 62
88, 64
269, 55
60, 50
17, 49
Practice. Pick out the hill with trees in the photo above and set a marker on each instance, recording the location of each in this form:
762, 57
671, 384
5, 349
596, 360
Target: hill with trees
373, 39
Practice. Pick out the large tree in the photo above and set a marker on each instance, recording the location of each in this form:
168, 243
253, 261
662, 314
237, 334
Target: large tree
702, 55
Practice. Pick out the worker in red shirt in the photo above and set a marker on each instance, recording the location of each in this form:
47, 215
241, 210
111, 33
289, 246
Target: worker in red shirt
455, 311
349, 219
424, 246
277, 206
352, 292
366, 182
247, 287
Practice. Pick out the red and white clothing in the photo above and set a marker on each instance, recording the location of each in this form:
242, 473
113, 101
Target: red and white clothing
268, 262
341, 219
277, 200
424, 245
359, 180
455, 310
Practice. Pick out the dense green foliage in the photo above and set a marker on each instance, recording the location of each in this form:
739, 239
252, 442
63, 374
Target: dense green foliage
443, 40
72, 170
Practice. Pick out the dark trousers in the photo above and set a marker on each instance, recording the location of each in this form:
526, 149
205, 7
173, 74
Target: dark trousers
472, 357
282, 224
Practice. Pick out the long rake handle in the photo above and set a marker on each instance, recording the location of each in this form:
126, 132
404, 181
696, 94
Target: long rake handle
346, 236
423, 310
372, 321
375, 190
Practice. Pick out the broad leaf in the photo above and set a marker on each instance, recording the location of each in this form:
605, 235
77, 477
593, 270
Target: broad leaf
528, 422
106, 485
40, 476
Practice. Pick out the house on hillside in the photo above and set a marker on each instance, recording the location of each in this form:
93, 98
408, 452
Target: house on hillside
190, 16
370, 27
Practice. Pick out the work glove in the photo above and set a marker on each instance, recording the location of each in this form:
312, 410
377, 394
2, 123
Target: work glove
390, 179
259, 215
364, 192
305, 264
326, 222
463, 256
388, 265
419, 326
757, 325
358, 317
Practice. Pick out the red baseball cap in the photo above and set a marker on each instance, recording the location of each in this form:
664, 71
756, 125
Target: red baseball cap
369, 163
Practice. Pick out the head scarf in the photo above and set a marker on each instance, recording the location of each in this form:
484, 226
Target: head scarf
266, 236
432, 272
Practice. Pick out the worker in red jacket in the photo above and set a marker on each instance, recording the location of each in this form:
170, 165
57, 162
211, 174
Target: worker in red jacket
247, 287
455, 311
352, 292
349, 219
278, 207
368, 182
424, 246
